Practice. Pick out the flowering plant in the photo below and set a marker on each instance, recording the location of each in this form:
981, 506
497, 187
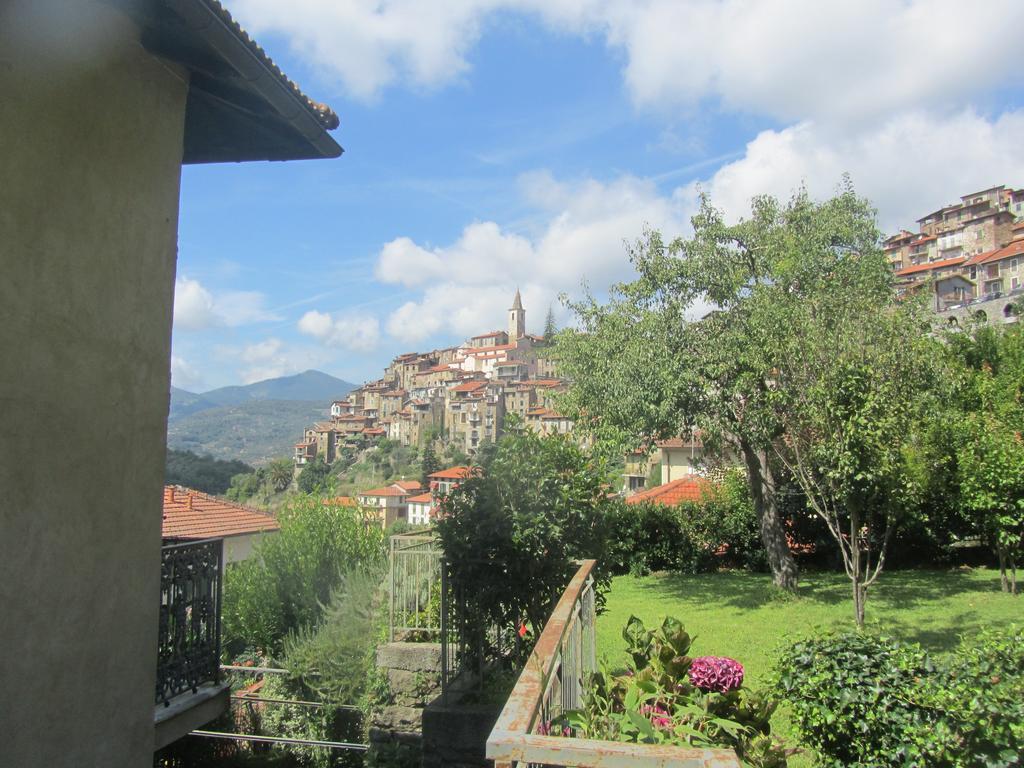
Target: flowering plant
716, 673
666, 697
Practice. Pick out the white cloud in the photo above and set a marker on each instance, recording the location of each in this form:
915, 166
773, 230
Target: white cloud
469, 284
183, 374
197, 309
349, 330
193, 306
907, 166
849, 59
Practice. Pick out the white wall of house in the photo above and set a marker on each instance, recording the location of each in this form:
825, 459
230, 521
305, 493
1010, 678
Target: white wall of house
91, 133
677, 463
419, 512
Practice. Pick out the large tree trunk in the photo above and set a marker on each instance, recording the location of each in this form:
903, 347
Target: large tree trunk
773, 535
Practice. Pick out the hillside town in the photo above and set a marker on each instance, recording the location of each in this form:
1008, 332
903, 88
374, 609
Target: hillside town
759, 505
965, 253
463, 393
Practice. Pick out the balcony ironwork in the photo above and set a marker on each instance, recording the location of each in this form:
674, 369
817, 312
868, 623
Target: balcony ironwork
190, 599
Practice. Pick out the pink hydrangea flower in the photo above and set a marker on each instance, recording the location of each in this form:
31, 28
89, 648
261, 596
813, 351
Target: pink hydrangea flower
716, 673
658, 715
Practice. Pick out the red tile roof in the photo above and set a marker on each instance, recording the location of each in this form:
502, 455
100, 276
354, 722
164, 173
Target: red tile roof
929, 266
452, 473
670, 494
190, 514
469, 386
490, 335
341, 501
401, 488
423, 498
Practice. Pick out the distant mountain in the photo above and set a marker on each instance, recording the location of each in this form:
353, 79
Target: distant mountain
310, 385
255, 431
184, 402
252, 423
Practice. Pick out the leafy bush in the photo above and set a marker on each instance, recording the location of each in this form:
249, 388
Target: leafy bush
850, 695
861, 700
203, 473
512, 532
978, 694
666, 697
313, 475
336, 657
286, 584
692, 537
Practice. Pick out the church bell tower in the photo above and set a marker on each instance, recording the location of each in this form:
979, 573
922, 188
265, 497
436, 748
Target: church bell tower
516, 319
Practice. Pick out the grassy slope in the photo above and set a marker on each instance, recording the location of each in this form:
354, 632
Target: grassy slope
743, 616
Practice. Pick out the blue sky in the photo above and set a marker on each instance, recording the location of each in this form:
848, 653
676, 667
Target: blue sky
491, 145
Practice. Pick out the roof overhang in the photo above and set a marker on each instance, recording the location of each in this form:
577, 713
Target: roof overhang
240, 106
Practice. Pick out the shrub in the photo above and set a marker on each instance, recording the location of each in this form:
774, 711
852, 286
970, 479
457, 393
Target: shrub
693, 537
313, 476
668, 698
861, 700
512, 532
850, 695
978, 693
285, 585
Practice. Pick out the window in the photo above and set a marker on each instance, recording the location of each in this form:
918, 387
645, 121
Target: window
1013, 265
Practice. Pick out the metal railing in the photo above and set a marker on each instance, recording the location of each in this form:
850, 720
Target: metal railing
189, 635
554, 681
415, 586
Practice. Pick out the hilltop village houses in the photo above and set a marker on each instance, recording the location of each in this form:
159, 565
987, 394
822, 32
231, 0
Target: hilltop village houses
463, 392
969, 252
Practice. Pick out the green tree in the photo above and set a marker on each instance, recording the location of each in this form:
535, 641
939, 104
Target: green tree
513, 531
279, 474
989, 446
430, 464
642, 367
850, 386
313, 475
286, 585
550, 329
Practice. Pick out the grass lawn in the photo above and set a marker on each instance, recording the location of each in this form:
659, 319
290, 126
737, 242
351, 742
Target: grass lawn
743, 616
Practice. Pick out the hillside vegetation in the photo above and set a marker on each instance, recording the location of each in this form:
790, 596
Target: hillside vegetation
203, 473
254, 432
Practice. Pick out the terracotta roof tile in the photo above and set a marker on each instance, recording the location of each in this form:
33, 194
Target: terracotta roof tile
423, 498
324, 114
676, 492
931, 265
452, 473
190, 514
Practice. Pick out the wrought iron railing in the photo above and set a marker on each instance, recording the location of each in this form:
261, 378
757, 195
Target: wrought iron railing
415, 600
190, 596
554, 681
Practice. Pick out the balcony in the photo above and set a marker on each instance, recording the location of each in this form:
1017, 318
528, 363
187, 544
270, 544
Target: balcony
554, 681
189, 691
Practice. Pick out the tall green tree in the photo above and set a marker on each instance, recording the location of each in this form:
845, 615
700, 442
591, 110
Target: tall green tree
280, 473
989, 443
430, 463
550, 329
852, 382
679, 348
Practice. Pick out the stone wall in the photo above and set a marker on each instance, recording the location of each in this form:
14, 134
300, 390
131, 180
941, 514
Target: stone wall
413, 672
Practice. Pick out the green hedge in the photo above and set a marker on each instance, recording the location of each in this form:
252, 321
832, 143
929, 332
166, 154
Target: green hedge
861, 700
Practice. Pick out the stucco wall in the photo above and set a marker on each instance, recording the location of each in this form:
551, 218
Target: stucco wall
90, 150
